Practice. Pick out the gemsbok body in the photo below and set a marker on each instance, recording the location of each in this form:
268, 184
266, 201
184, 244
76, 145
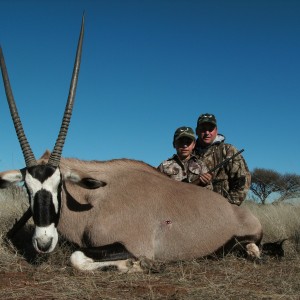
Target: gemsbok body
128, 203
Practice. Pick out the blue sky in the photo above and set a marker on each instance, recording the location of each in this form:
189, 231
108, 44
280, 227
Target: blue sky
149, 67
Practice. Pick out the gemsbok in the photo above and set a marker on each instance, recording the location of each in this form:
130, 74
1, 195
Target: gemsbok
122, 204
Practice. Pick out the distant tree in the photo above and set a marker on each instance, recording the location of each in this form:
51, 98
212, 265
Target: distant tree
266, 182
290, 187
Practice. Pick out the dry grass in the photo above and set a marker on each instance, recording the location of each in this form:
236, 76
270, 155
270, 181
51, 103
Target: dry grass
279, 221
25, 275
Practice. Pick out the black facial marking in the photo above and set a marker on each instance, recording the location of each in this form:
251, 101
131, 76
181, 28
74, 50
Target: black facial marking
44, 211
41, 172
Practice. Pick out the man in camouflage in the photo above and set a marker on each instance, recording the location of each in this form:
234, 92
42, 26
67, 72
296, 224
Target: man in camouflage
233, 179
184, 165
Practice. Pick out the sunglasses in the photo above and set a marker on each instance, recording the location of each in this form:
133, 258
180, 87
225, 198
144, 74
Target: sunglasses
207, 127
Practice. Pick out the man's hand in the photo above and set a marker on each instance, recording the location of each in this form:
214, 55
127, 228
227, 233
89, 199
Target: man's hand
205, 179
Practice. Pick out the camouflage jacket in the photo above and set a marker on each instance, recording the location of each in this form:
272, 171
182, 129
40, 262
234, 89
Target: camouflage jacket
233, 180
186, 171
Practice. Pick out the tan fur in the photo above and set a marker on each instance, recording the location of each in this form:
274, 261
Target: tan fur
150, 214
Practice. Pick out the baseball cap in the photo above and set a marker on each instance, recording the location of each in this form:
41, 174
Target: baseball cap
207, 118
184, 131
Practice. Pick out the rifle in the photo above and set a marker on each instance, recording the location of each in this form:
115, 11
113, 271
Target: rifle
221, 164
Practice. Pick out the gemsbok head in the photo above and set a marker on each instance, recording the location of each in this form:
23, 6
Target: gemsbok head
42, 181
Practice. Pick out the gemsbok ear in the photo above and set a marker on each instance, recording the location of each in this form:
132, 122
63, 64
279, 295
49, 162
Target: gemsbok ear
46, 155
83, 180
91, 183
9, 178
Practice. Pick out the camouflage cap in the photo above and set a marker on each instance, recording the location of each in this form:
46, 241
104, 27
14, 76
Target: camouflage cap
184, 131
207, 118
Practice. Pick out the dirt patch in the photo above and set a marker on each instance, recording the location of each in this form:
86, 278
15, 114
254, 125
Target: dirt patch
227, 278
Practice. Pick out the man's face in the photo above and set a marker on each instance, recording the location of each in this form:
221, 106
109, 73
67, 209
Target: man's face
184, 147
207, 133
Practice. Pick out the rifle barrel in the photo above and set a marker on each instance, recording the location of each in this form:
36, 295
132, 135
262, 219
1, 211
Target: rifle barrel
225, 161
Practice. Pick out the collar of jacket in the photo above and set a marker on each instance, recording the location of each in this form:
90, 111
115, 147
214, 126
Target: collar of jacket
220, 138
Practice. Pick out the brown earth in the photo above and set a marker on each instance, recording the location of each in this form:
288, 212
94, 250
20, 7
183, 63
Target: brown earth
25, 275
226, 278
